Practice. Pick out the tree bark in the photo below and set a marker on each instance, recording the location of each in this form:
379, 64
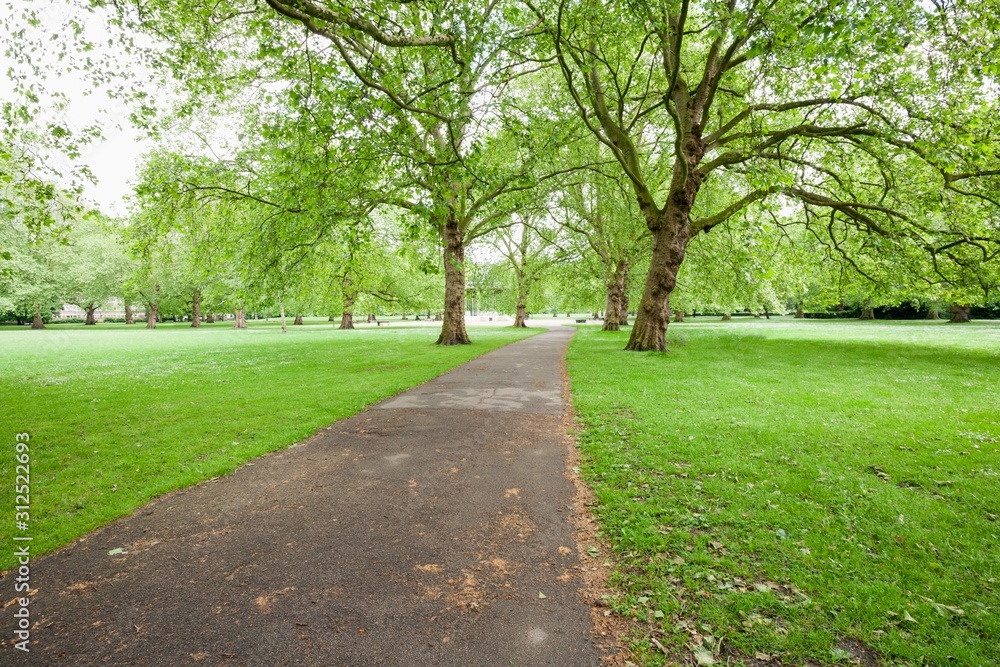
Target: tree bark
933, 314
613, 315
453, 327
670, 235
800, 313
36, 319
298, 320
210, 318
678, 315
284, 327
623, 300
867, 314
347, 317
521, 315
129, 318
726, 317
960, 312
240, 321
196, 308
90, 315
153, 308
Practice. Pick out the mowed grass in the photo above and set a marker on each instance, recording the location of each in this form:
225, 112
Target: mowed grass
118, 415
800, 491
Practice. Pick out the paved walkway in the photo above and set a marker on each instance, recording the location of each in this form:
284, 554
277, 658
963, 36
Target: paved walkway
423, 531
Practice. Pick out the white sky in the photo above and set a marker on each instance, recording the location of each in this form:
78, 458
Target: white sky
113, 160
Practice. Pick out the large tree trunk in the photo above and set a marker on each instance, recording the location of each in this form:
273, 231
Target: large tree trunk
613, 315
152, 314
240, 322
36, 319
347, 317
453, 328
298, 320
210, 318
196, 308
90, 315
960, 312
153, 308
933, 314
670, 236
129, 318
726, 317
521, 315
800, 313
867, 314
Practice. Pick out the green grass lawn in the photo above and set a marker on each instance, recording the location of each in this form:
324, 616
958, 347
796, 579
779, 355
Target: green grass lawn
795, 488
118, 415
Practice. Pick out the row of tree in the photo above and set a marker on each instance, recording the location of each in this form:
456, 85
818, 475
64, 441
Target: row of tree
775, 150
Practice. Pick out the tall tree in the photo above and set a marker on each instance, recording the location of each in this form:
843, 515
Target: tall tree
769, 100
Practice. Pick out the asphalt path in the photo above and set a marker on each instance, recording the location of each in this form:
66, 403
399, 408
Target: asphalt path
431, 529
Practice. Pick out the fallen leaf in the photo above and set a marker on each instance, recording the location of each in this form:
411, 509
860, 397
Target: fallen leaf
703, 656
541, 595
115, 552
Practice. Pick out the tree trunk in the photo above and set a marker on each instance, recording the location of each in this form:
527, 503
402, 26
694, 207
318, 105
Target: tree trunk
196, 308
799, 312
933, 314
90, 315
453, 327
347, 317
281, 312
613, 316
240, 321
867, 314
678, 315
153, 308
438, 316
298, 320
623, 299
669, 242
152, 314
521, 315
210, 318
36, 319
726, 317
332, 318
129, 318
960, 312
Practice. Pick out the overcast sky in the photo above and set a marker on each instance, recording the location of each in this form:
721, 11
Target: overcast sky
114, 159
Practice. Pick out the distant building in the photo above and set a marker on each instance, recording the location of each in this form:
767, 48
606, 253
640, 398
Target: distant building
113, 309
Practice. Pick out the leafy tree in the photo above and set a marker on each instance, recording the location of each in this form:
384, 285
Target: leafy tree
782, 102
91, 267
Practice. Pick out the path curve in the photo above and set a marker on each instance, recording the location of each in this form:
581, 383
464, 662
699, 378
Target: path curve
431, 529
